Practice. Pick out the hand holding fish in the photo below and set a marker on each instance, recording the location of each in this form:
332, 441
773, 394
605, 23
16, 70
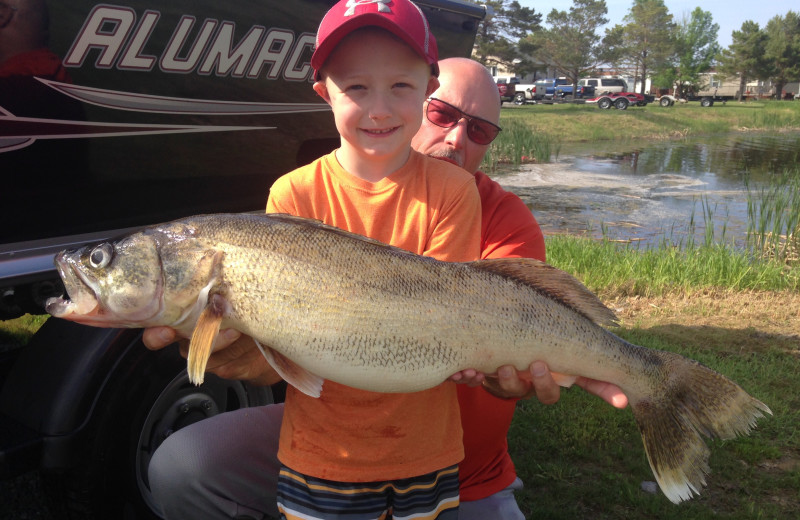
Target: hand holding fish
509, 383
235, 355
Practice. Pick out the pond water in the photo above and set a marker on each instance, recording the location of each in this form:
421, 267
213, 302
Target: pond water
647, 191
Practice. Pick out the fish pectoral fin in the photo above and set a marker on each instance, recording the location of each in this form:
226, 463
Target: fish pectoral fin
205, 332
297, 376
564, 380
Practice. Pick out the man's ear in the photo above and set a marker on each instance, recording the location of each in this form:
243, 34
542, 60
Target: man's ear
322, 91
433, 86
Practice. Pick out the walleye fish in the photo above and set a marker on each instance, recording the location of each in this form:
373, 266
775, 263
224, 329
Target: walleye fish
329, 304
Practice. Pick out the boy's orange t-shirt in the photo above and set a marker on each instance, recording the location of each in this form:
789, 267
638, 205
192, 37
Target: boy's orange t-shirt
428, 207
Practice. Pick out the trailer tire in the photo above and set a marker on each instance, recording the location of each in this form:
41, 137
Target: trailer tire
604, 103
150, 398
707, 102
665, 102
621, 104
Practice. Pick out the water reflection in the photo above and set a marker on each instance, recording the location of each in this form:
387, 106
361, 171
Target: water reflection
647, 191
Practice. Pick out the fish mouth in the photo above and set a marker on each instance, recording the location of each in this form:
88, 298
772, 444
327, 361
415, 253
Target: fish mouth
80, 301
84, 301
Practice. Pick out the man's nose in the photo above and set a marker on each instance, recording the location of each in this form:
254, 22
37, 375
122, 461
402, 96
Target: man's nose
457, 134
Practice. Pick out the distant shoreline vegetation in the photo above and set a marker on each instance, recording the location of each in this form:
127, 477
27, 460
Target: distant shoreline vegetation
533, 133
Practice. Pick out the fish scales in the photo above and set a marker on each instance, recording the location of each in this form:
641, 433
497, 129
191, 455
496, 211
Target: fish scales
381, 304
330, 304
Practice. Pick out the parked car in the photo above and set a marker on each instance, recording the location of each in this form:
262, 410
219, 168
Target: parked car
621, 100
559, 89
506, 87
604, 85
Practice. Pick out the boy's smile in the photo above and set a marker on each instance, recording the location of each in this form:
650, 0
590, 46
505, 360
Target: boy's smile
376, 85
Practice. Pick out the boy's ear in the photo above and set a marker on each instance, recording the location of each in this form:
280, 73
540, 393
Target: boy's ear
433, 86
322, 91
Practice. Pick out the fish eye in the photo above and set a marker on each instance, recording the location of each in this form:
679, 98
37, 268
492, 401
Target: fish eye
101, 255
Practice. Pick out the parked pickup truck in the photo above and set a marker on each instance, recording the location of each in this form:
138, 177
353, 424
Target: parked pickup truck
558, 89
506, 89
525, 93
137, 113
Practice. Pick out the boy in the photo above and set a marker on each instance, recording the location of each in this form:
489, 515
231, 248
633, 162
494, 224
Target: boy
353, 451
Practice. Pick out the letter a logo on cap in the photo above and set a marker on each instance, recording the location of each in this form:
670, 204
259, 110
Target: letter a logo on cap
351, 5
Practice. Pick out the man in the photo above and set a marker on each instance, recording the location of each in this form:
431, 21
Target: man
225, 466
458, 116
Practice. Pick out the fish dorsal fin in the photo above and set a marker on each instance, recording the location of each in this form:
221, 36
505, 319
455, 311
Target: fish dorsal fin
314, 223
297, 376
205, 332
551, 282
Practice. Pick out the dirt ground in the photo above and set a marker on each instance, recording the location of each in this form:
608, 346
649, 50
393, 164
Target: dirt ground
761, 313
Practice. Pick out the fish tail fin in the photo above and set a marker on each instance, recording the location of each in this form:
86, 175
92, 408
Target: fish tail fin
205, 332
694, 402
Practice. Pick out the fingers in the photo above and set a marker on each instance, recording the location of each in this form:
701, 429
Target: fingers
226, 338
156, 338
608, 392
537, 381
234, 356
506, 383
242, 360
470, 377
545, 387
509, 385
223, 341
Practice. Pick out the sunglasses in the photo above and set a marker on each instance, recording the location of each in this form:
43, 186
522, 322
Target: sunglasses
445, 115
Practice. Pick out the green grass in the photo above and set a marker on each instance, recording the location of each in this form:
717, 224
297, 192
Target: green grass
17, 332
582, 459
517, 144
625, 270
774, 217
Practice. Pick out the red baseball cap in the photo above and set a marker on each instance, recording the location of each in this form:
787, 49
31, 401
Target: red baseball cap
400, 17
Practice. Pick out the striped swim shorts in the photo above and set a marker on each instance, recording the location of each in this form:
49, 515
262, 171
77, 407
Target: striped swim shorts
428, 497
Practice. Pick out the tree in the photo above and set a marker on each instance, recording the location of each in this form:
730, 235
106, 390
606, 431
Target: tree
745, 57
696, 48
571, 44
501, 39
645, 44
783, 50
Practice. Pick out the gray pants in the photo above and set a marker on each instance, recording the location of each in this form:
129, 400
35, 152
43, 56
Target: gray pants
227, 466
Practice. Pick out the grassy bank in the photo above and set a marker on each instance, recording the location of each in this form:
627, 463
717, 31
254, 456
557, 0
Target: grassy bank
535, 131
616, 270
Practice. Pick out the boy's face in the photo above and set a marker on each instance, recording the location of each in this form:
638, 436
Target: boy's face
376, 86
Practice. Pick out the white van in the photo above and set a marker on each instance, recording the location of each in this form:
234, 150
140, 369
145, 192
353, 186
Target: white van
602, 85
